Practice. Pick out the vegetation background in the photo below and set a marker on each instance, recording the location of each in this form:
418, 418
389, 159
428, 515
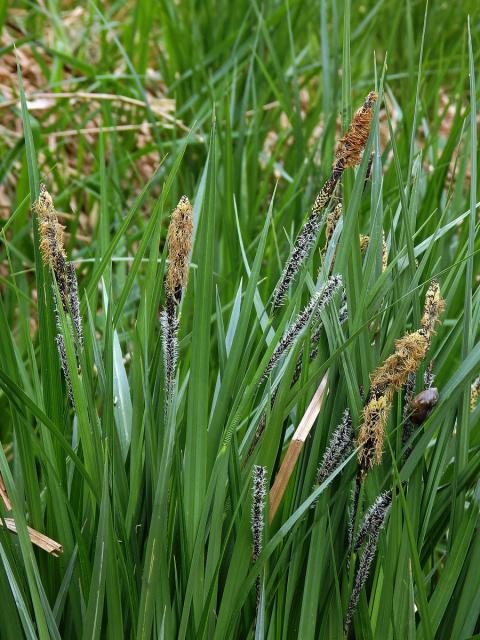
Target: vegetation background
122, 107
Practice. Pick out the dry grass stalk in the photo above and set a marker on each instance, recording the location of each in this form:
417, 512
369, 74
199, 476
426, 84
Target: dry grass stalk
295, 448
38, 539
4, 495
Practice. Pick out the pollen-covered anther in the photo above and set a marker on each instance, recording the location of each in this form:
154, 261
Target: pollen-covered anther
51, 241
474, 393
351, 146
434, 306
372, 432
179, 246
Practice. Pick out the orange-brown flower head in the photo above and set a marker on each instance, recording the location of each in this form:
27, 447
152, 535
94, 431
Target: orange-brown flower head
351, 146
179, 247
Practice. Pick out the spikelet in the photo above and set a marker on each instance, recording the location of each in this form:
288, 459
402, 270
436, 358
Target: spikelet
434, 305
62, 354
364, 242
360, 579
474, 393
51, 241
348, 154
410, 350
372, 432
303, 244
331, 222
179, 246
338, 448
74, 302
169, 323
374, 519
352, 515
314, 348
316, 304
351, 146
388, 378
53, 255
369, 534
384, 252
392, 375
429, 376
259, 491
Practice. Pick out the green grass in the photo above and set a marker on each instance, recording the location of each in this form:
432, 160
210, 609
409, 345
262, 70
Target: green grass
153, 508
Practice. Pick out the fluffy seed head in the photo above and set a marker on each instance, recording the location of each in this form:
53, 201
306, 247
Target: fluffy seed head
351, 146
364, 242
179, 247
